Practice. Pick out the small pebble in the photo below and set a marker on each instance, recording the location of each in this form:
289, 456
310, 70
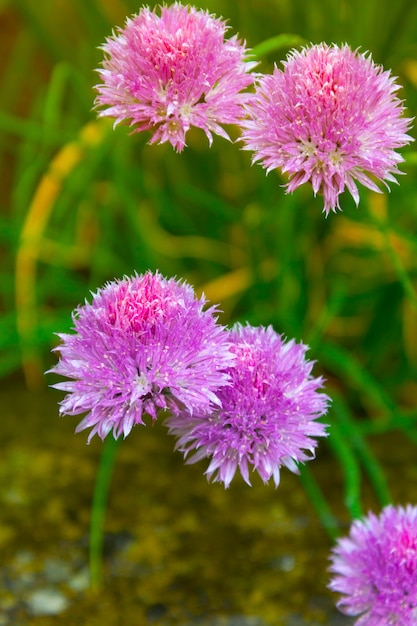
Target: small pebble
80, 581
47, 601
56, 570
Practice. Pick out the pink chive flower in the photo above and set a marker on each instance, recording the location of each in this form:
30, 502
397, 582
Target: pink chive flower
268, 414
168, 72
375, 569
144, 344
330, 118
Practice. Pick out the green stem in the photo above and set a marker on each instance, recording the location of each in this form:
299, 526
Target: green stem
374, 471
398, 24
279, 42
319, 501
98, 509
351, 431
396, 260
350, 468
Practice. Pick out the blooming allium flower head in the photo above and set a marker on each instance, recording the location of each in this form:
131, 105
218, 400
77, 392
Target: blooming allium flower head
168, 72
144, 343
331, 118
267, 416
375, 568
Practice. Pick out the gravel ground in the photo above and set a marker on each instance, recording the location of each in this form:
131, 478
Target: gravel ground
177, 552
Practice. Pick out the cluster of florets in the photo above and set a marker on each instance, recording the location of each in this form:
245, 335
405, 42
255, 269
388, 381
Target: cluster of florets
168, 72
330, 117
375, 568
147, 346
144, 344
267, 415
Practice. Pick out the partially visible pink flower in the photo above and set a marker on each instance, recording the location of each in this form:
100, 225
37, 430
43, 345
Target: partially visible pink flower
144, 344
330, 118
375, 569
268, 414
168, 72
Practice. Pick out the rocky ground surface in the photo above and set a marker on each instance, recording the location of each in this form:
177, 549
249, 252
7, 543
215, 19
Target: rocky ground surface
177, 552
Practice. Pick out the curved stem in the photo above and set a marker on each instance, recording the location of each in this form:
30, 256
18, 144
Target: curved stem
31, 240
319, 501
351, 470
279, 42
350, 430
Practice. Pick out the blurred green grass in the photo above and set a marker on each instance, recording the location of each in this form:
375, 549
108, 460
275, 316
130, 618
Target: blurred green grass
83, 204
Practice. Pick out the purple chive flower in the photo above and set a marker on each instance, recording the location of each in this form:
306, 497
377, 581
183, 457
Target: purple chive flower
330, 118
375, 568
144, 343
170, 72
267, 416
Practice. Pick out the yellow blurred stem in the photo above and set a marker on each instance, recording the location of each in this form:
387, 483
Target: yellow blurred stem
236, 282
31, 240
192, 246
395, 248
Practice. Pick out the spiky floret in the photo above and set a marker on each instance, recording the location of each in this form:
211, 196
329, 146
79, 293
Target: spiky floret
144, 344
168, 72
268, 414
375, 568
330, 117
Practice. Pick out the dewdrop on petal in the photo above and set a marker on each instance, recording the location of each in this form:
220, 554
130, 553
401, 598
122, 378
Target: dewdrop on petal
331, 118
268, 416
144, 344
165, 73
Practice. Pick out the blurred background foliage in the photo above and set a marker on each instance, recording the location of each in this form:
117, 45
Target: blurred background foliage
82, 204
